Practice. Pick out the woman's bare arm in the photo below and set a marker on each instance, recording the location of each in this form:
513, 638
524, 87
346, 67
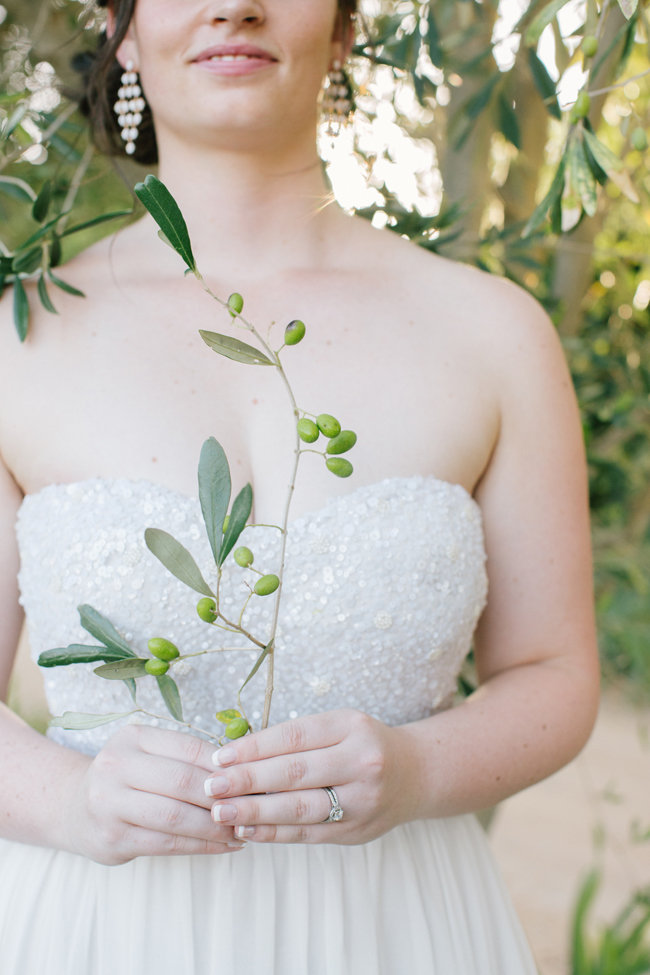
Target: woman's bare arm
142, 795
31, 767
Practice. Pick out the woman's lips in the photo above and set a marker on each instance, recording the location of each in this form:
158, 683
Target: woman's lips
234, 59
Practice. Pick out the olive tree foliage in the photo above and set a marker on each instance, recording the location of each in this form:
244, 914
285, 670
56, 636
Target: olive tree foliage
507, 133
527, 125
54, 188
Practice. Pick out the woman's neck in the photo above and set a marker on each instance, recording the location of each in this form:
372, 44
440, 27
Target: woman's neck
251, 215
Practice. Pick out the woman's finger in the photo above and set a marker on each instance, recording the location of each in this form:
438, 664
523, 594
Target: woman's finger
173, 778
284, 773
171, 744
322, 833
310, 807
300, 735
163, 815
146, 842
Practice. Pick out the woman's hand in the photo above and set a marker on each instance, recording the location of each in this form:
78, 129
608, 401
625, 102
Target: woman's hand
143, 795
271, 785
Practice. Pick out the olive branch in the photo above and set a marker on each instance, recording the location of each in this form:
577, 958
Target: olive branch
224, 524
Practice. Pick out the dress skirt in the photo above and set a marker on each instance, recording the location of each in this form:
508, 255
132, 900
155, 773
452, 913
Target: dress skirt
424, 899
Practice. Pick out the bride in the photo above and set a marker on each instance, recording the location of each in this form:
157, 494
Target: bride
129, 849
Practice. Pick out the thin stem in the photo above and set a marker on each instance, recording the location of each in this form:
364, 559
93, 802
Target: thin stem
243, 609
619, 84
201, 653
275, 359
75, 186
240, 629
227, 629
183, 724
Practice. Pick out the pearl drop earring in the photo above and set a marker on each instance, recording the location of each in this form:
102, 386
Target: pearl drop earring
129, 107
338, 98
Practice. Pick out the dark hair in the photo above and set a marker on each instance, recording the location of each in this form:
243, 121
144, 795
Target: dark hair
101, 75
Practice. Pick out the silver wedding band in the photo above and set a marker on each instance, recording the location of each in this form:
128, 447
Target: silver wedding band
336, 812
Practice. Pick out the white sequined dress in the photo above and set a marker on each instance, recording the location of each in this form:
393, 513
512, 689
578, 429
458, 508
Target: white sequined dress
383, 589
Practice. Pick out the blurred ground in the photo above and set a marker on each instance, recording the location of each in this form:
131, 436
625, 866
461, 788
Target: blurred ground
591, 813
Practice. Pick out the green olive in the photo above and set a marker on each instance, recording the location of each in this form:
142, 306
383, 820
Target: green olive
266, 585
236, 728
339, 466
294, 332
345, 441
235, 303
156, 667
207, 609
243, 556
226, 522
163, 649
639, 139
328, 425
581, 107
307, 430
589, 45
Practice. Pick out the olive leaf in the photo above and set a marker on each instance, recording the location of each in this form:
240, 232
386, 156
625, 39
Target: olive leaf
122, 669
543, 19
176, 559
550, 200
239, 515
228, 715
214, 492
26, 261
15, 119
45, 229
64, 286
82, 721
78, 653
258, 663
46, 301
93, 221
162, 206
507, 121
21, 310
603, 156
17, 188
42, 201
434, 41
611, 164
582, 178
234, 349
170, 696
103, 630
544, 83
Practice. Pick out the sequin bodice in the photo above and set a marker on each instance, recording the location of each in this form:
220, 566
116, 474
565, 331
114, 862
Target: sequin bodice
383, 588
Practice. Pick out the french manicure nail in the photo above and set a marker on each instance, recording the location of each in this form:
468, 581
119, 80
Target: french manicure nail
243, 831
236, 846
216, 786
223, 756
223, 814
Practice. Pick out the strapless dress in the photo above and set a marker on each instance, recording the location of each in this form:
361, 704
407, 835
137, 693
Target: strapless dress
383, 589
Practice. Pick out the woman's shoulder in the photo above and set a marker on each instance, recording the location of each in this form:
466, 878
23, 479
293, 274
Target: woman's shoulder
481, 304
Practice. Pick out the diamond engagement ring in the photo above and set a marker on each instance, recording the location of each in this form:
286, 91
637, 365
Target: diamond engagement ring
336, 812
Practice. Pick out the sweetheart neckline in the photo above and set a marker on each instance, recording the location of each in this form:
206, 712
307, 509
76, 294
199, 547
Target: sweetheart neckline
136, 482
